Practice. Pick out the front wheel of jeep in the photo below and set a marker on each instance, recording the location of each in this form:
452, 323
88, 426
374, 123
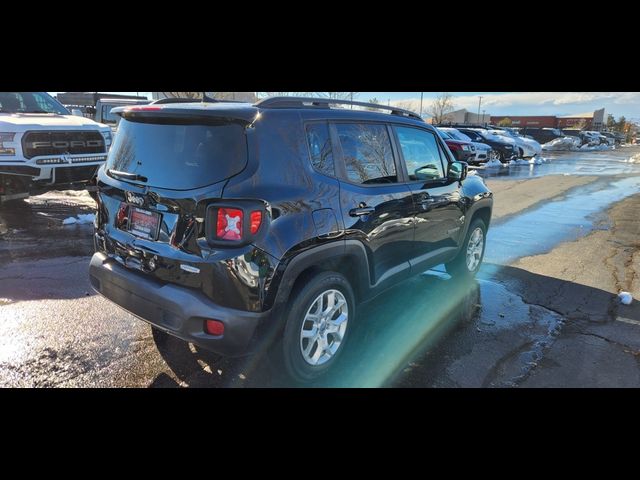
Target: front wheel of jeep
319, 321
468, 261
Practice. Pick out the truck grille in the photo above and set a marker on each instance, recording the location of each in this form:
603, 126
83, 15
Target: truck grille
75, 174
62, 143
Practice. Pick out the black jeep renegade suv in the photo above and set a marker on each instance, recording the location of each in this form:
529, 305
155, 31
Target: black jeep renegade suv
232, 225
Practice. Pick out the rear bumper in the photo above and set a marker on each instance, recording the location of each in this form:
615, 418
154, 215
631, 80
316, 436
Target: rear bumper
176, 310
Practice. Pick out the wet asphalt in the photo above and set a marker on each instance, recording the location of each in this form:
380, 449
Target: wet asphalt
427, 332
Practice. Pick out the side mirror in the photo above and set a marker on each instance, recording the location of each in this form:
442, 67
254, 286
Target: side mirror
457, 171
77, 112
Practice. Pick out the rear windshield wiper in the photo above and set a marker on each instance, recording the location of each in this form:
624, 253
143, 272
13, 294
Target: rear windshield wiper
127, 175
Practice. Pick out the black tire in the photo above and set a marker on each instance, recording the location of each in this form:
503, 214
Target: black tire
291, 347
458, 266
160, 337
500, 156
521, 152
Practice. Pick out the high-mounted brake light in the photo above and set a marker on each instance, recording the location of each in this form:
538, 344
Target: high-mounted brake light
229, 224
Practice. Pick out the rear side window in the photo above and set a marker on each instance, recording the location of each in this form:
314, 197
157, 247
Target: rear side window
320, 148
367, 153
421, 153
179, 157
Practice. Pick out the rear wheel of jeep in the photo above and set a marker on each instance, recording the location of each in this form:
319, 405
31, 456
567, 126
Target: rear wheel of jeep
468, 261
319, 321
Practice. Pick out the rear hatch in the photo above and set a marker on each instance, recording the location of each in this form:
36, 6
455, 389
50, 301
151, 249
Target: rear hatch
165, 168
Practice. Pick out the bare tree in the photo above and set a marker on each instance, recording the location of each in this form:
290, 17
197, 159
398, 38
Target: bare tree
440, 107
195, 95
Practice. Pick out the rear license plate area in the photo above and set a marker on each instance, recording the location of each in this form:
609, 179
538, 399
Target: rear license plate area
144, 224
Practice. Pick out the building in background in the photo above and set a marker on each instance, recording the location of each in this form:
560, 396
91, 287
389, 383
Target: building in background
541, 121
592, 120
595, 120
463, 116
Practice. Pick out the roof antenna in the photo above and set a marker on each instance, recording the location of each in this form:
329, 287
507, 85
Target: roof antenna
206, 98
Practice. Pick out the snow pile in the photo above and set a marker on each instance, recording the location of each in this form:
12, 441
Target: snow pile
493, 164
625, 298
634, 159
519, 161
83, 218
593, 148
564, 143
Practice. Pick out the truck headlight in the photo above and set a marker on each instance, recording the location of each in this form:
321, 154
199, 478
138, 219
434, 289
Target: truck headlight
7, 137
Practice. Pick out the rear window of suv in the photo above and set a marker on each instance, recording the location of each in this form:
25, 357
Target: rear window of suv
179, 157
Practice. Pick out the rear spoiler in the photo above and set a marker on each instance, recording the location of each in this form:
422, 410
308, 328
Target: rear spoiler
189, 113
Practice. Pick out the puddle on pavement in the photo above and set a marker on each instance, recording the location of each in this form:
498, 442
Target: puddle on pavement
566, 218
401, 326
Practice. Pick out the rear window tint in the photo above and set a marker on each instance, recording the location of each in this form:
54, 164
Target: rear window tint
179, 157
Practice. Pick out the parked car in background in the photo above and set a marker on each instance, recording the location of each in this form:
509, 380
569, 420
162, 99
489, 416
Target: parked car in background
43, 146
505, 150
611, 138
594, 138
484, 152
463, 151
527, 147
620, 137
105, 105
542, 135
575, 133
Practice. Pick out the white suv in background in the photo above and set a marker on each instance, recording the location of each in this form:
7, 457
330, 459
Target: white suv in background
43, 146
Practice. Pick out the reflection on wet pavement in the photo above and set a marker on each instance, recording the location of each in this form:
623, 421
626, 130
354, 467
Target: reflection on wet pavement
568, 218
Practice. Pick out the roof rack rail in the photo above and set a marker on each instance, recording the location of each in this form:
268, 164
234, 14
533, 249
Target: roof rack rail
318, 102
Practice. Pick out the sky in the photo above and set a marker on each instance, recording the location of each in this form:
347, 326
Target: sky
526, 103
513, 103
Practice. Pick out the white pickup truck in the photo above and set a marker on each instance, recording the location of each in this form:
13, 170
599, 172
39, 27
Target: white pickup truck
43, 146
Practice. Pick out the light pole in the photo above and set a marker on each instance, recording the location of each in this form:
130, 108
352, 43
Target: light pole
421, 96
483, 122
479, 103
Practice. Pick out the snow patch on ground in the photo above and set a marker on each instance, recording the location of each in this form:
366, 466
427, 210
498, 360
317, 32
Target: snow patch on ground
634, 159
82, 219
493, 164
625, 298
594, 148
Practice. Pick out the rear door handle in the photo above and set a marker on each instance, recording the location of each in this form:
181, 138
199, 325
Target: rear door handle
361, 211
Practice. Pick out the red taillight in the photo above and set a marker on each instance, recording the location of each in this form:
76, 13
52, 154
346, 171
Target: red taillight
454, 146
214, 327
256, 220
229, 224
